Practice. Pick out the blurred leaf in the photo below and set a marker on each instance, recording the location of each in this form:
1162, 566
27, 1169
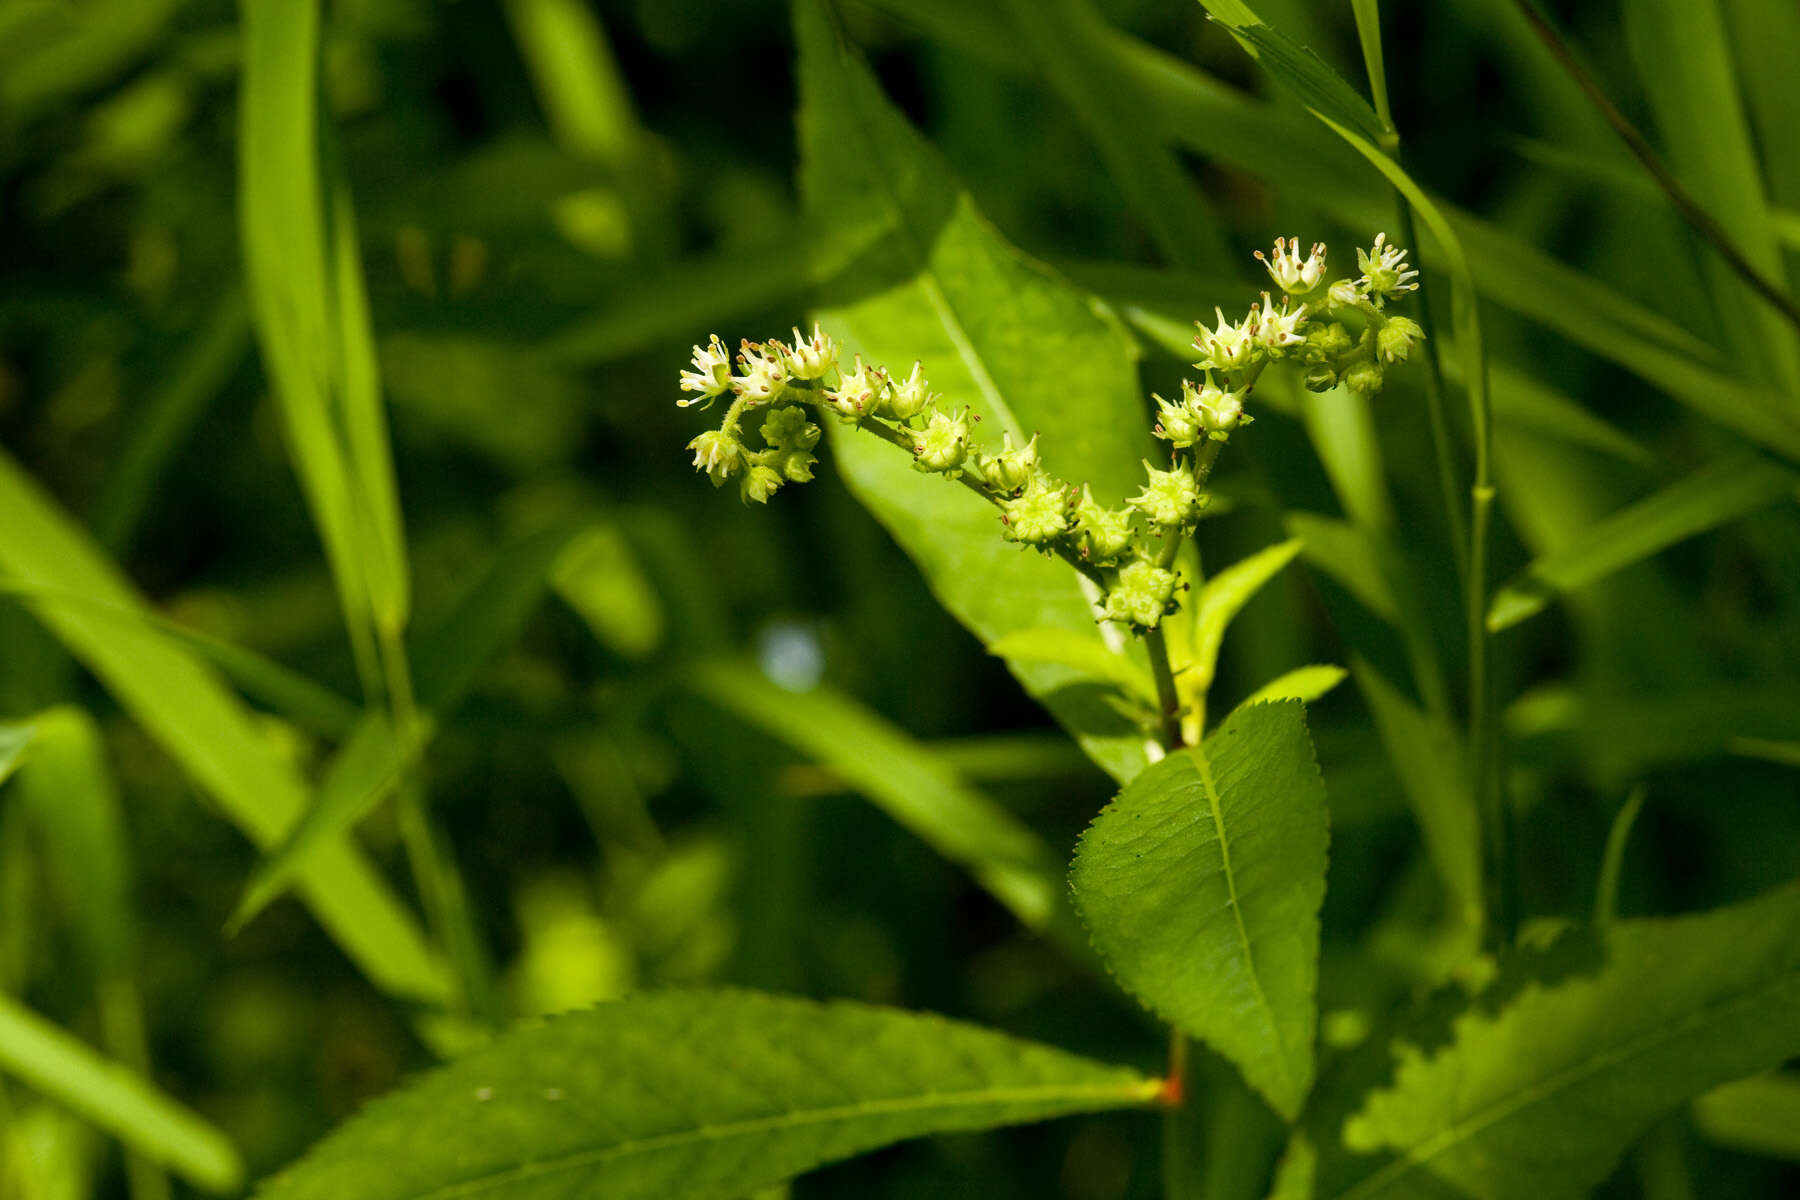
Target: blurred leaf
1692, 87
1202, 884
1297, 68
701, 1094
78, 47
1345, 553
14, 741
1785, 753
1427, 755
1538, 1099
1726, 490
1759, 1115
1612, 861
373, 762
1078, 653
1306, 683
184, 706
450, 381
1062, 35
68, 789
115, 1099
997, 331
578, 82
903, 779
311, 317
599, 577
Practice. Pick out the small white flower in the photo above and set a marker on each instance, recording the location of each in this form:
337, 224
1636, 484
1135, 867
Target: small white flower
711, 376
1294, 275
858, 393
1385, 273
765, 372
1274, 328
811, 357
1228, 347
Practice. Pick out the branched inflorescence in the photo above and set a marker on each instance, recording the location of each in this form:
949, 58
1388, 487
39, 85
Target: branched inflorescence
1332, 332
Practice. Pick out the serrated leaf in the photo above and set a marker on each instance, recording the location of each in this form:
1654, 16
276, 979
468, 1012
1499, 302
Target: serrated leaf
1306, 683
698, 1095
116, 1099
1201, 884
1537, 1101
928, 279
1730, 488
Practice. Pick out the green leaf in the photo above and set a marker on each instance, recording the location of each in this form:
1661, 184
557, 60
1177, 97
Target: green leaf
905, 780
1348, 555
1368, 32
1729, 488
311, 318
1224, 596
1760, 1115
1537, 1100
1306, 683
1427, 755
115, 1099
1083, 654
183, 705
702, 1094
930, 279
14, 741
1202, 884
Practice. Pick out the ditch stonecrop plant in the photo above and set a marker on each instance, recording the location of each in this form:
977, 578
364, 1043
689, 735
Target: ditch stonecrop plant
1331, 331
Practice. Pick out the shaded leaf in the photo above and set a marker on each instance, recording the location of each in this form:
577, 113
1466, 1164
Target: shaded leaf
704, 1094
1537, 1100
1760, 1115
1201, 884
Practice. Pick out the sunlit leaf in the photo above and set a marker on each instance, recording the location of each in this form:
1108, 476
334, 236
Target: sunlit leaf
1201, 884
1306, 683
1539, 1098
1760, 1115
702, 1095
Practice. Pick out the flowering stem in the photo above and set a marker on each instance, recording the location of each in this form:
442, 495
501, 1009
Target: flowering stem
1168, 700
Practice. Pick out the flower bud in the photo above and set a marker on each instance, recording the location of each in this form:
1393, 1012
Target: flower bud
711, 376
944, 443
1170, 499
1142, 596
1011, 469
719, 453
904, 401
1326, 341
858, 393
787, 428
1320, 379
1216, 410
1396, 339
1040, 515
1105, 533
1345, 293
1177, 424
1364, 378
759, 483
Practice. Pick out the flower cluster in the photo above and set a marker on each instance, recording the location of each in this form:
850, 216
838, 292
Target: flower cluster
1333, 332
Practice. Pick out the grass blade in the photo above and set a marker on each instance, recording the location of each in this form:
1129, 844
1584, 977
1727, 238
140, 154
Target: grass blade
1730, 488
116, 1099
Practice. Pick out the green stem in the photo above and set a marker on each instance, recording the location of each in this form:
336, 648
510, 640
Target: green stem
1168, 700
1178, 1131
1434, 407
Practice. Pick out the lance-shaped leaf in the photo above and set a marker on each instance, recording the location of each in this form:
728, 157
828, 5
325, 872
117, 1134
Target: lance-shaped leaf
926, 278
1202, 883
1537, 1101
693, 1094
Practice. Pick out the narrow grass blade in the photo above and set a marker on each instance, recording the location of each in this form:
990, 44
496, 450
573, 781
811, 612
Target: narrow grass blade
1730, 488
115, 1099
1368, 33
186, 708
694, 1094
577, 79
1202, 884
1612, 861
902, 778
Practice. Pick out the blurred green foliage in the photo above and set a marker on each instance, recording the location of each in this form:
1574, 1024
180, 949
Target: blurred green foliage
596, 783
